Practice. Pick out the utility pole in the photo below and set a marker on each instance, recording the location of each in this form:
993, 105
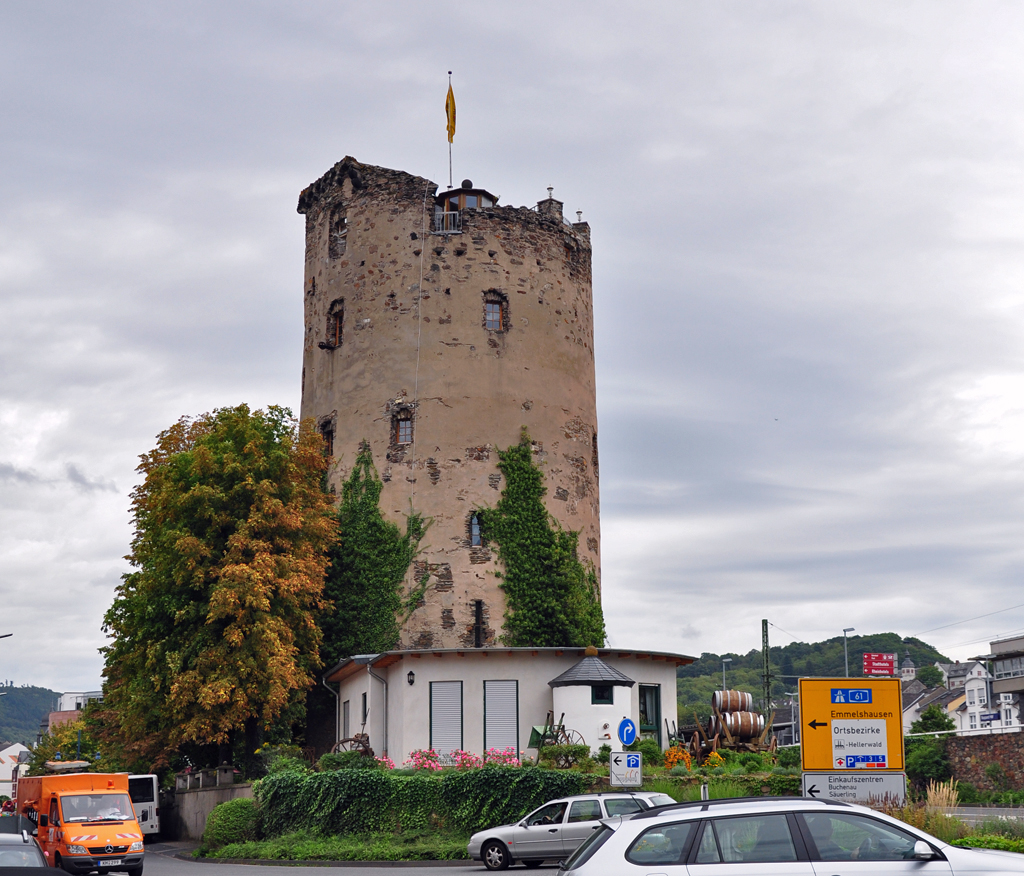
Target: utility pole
766, 671
724, 661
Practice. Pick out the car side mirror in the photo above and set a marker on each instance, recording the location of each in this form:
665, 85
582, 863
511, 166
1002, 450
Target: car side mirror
44, 821
923, 851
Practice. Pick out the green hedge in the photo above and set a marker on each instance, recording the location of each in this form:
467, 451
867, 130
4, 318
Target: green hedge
368, 801
233, 821
991, 841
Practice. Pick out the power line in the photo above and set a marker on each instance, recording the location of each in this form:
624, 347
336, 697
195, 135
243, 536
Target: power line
967, 620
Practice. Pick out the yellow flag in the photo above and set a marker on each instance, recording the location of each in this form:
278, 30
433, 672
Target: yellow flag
449, 108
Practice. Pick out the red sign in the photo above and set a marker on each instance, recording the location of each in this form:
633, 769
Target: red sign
879, 664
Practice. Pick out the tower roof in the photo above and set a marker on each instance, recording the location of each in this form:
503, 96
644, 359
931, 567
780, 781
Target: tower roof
591, 671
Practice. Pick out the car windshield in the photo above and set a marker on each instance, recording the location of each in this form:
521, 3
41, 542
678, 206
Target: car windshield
97, 807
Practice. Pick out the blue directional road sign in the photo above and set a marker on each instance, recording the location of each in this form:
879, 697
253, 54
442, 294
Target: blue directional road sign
627, 731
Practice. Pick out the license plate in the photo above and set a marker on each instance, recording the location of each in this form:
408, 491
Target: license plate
114, 862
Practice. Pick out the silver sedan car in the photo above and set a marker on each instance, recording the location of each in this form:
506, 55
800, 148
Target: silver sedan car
775, 836
553, 831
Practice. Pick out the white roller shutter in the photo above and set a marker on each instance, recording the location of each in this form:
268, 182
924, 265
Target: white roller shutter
445, 716
501, 715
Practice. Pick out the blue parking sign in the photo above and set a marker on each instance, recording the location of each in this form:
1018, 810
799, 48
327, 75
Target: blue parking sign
632, 761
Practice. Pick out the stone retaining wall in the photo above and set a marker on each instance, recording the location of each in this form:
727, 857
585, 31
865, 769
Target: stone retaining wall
970, 755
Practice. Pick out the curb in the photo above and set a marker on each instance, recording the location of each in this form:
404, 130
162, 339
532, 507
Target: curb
261, 862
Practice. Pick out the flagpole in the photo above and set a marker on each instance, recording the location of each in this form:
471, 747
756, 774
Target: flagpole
449, 139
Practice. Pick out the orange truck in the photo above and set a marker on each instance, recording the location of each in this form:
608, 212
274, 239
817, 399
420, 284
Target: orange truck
84, 821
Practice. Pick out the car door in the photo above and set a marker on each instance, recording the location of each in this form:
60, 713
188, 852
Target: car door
850, 844
748, 845
539, 835
583, 819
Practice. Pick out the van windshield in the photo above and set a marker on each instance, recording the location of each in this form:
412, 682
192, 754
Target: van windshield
97, 807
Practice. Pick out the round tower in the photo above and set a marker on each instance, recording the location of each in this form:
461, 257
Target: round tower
436, 328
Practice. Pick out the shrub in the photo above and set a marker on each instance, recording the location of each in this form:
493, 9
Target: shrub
424, 759
677, 756
342, 760
565, 756
649, 748
234, 821
789, 757
505, 757
604, 754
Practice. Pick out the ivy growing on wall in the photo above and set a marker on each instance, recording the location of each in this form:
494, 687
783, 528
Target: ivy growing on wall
369, 561
551, 597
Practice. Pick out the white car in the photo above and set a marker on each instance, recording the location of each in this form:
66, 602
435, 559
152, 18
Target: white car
774, 836
553, 831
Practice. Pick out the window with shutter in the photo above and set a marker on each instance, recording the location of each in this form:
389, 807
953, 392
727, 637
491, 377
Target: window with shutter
445, 716
501, 715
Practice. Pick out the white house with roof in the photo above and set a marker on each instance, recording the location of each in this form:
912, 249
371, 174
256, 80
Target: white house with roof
9, 757
475, 699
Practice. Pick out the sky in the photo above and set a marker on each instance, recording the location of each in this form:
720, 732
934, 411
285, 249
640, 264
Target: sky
808, 255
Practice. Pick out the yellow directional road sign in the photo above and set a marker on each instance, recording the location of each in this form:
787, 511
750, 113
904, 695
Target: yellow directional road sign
851, 724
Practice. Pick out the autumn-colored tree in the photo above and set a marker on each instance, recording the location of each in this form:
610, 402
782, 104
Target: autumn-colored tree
215, 630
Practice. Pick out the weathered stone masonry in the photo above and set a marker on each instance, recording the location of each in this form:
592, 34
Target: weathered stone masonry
416, 356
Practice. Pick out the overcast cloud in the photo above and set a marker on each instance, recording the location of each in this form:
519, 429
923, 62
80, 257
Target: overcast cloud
808, 229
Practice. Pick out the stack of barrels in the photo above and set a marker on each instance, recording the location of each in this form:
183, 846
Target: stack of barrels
736, 709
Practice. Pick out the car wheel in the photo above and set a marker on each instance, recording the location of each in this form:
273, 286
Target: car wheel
134, 871
533, 864
495, 855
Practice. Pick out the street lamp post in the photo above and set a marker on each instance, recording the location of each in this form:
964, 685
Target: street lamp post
846, 656
724, 661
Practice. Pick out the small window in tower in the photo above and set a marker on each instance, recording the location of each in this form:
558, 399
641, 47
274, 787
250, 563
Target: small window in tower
338, 232
601, 695
401, 428
475, 537
335, 325
471, 202
327, 433
495, 312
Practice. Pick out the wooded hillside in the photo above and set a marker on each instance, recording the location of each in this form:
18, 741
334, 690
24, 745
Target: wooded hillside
21, 710
697, 681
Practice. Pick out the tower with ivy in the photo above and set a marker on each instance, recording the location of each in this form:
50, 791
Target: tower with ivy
445, 330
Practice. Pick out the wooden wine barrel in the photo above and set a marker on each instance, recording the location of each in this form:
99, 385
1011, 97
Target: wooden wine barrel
732, 701
744, 725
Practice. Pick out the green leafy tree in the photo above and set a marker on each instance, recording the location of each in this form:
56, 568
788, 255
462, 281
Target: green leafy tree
934, 719
215, 631
368, 565
551, 598
929, 676
64, 743
927, 759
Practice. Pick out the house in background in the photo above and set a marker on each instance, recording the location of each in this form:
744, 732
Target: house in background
9, 757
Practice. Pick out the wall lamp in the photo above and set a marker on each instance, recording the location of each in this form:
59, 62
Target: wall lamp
411, 677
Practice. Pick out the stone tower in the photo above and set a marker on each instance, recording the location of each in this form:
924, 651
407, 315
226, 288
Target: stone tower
436, 327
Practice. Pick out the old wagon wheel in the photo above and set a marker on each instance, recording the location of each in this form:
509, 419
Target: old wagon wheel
360, 742
570, 737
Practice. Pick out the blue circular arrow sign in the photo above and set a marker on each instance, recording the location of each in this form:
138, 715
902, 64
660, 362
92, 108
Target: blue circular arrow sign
627, 731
